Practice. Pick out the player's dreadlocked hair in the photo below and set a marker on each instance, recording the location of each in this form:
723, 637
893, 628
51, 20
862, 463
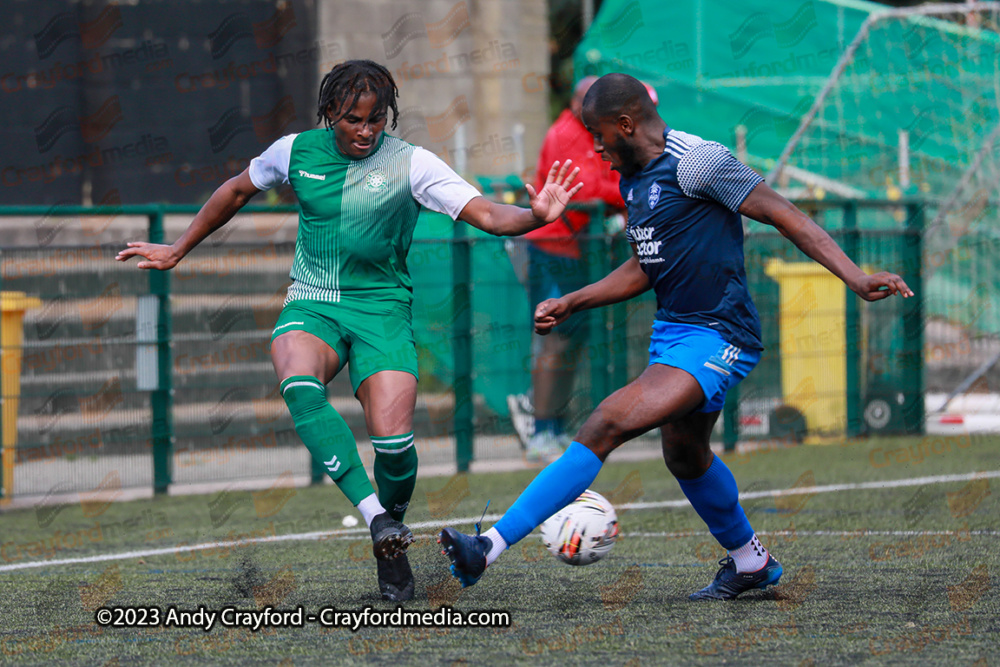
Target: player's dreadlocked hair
344, 84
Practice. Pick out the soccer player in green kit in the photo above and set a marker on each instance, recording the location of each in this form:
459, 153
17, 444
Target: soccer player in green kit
360, 192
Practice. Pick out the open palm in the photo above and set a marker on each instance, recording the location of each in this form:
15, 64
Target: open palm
549, 203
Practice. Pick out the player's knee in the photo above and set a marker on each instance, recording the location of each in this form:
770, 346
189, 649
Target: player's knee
304, 395
601, 434
686, 460
684, 469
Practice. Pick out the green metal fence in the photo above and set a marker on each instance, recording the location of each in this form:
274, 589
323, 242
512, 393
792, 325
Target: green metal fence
136, 379
881, 354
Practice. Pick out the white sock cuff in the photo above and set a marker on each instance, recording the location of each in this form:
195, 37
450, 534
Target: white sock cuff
499, 545
751, 556
370, 508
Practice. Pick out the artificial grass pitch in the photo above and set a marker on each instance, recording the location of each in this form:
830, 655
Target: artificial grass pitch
904, 574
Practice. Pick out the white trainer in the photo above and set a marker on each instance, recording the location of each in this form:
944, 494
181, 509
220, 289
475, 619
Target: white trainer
543, 448
522, 416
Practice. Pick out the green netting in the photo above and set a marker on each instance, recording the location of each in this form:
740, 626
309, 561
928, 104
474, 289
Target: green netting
724, 64
718, 64
921, 85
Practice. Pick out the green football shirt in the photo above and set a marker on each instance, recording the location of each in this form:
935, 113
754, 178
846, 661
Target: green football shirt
357, 215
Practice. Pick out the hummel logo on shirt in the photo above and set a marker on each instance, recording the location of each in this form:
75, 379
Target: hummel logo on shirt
318, 177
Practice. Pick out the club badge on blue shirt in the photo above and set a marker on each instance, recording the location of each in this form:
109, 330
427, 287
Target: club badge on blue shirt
654, 195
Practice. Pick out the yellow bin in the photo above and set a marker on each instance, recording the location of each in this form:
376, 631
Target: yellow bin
813, 343
12, 307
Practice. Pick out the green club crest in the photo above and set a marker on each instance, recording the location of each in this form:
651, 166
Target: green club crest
376, 180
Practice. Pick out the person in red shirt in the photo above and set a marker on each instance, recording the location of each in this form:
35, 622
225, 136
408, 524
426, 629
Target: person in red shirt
555, 268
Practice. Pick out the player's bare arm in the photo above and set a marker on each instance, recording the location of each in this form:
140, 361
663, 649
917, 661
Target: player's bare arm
224, 203
622, 284
547, 205
767, 206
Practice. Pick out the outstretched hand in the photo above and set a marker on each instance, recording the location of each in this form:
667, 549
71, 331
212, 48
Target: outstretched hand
157, 256
549, 203
880, 286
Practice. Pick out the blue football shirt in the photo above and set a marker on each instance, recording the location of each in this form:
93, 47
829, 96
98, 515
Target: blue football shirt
683, 221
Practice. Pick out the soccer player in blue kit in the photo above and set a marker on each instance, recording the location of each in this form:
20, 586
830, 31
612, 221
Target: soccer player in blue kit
685, 197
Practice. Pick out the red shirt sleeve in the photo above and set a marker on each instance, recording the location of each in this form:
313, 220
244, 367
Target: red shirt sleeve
568, 139
546, 156
600, 183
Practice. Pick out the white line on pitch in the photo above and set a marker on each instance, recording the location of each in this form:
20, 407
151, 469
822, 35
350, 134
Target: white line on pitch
832, 533
351, 532
831, 488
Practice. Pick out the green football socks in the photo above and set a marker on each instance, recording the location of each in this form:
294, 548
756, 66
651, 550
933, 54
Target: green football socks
327, 436
395, 472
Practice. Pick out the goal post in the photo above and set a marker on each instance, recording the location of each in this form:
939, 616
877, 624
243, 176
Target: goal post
909, 104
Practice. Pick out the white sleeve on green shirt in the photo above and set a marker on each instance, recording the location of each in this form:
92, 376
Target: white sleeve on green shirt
271, 169
436, 186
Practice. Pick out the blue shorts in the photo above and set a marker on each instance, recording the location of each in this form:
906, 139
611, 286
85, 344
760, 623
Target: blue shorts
703, 353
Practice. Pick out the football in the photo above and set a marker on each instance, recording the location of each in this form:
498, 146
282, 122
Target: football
583, 532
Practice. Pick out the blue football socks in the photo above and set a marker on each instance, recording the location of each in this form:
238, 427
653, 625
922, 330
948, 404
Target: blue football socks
715, 497
559, 484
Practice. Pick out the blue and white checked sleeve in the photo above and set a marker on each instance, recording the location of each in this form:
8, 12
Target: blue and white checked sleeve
709, 171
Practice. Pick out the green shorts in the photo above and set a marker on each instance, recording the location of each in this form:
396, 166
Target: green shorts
369, 336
